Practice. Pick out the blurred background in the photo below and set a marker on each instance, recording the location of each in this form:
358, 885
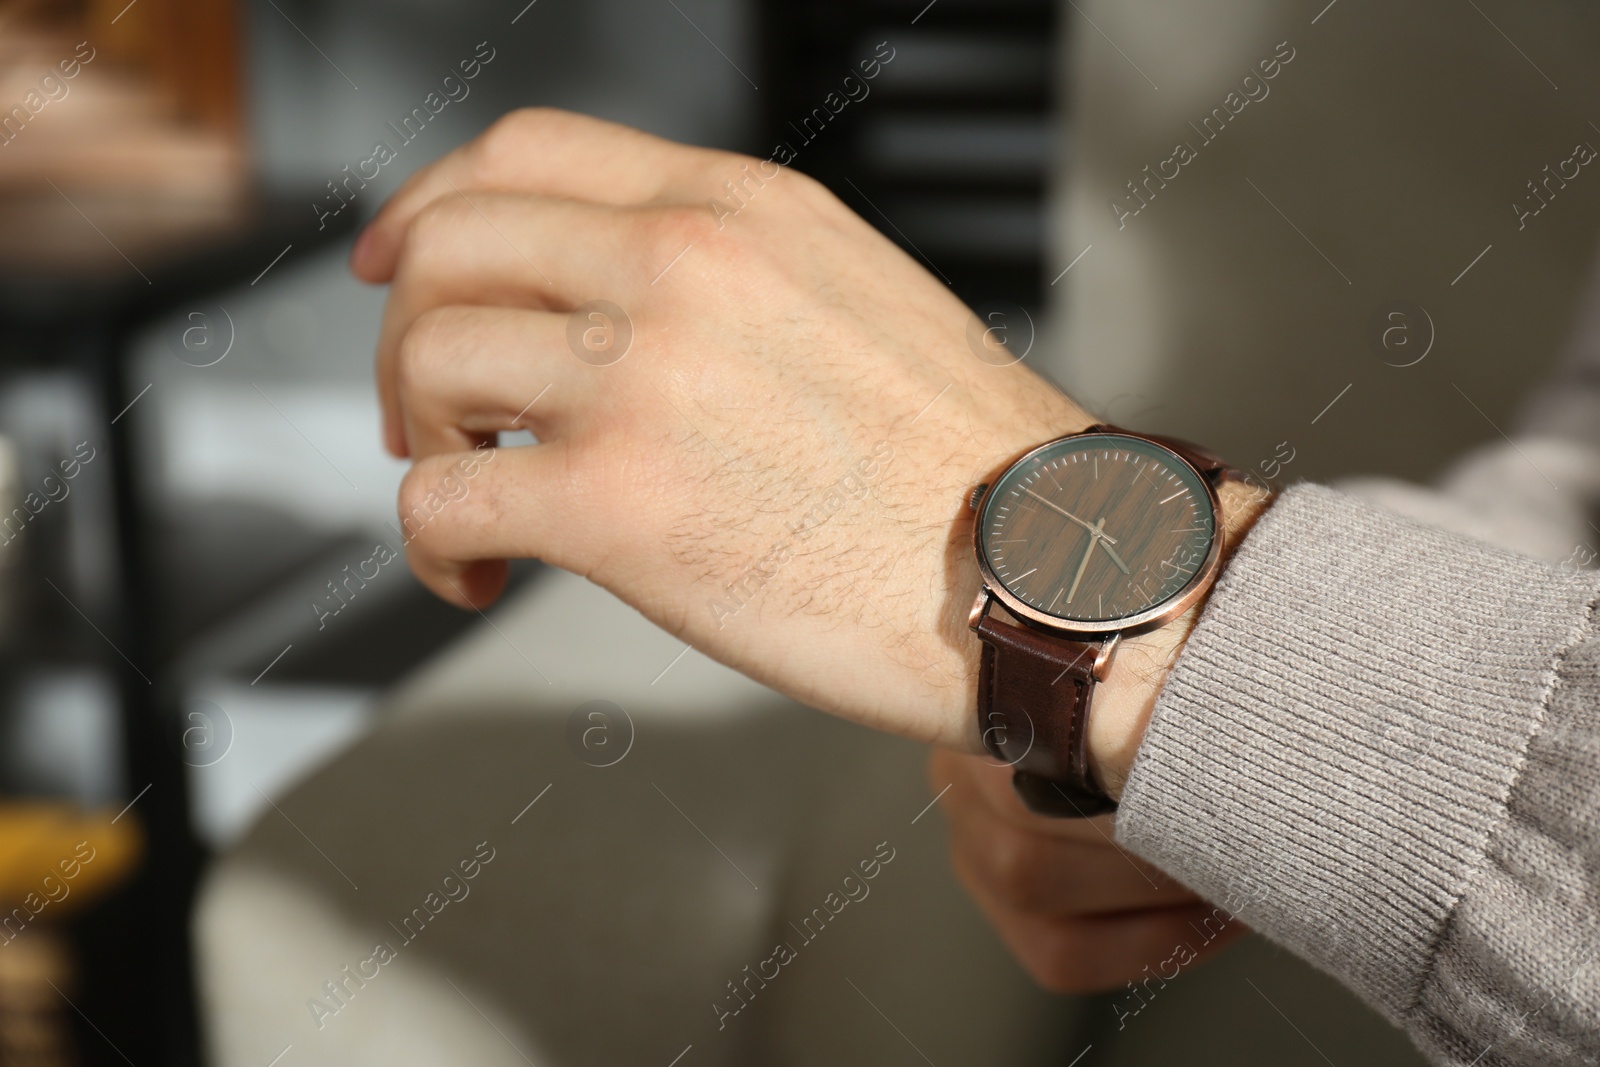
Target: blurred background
227, 765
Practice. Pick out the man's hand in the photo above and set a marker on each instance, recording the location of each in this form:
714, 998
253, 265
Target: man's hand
1078, 913
775, 469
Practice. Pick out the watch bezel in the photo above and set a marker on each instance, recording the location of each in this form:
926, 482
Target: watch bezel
1149, 619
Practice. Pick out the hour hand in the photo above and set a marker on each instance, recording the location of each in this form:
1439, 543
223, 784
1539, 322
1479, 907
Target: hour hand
1121, 566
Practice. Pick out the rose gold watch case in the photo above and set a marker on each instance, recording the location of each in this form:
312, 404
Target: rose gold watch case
1149, 619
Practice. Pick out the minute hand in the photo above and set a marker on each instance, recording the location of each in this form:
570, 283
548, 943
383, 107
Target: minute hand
1087, 526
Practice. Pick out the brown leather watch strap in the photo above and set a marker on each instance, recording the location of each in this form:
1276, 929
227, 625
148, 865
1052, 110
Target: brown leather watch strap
1033, 706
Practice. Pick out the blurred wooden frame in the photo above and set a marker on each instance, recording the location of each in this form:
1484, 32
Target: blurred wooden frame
152, 145
187, 48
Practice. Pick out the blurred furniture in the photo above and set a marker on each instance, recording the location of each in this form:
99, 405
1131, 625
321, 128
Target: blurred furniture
624, 901
124, 193
35, 1020
116, 612
54, 861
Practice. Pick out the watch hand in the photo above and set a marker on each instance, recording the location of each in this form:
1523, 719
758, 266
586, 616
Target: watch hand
1083, 564
1113, 554
1050, 504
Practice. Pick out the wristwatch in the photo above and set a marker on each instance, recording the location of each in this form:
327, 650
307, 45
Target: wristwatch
1079, 541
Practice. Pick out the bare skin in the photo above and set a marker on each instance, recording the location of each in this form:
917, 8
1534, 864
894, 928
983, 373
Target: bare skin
776, 471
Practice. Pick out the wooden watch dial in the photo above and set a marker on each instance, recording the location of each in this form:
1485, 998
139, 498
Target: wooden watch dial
1097, 531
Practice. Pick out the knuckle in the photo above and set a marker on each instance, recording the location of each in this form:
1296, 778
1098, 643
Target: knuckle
418, 352
678, 224
433, 222
721, 166
506, 136
435, 216
520, 123
669, 230
809, 190
768, 189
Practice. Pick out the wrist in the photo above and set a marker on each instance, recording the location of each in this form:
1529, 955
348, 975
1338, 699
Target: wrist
1124, 702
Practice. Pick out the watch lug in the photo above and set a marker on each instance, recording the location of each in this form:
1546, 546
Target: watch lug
1102, 660
980, 608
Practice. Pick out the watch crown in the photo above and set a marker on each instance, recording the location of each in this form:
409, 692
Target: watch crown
977, 495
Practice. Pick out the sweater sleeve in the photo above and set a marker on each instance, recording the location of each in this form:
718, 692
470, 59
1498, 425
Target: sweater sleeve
1386, 739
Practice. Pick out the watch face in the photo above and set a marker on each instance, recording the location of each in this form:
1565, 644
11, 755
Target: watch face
1097, 530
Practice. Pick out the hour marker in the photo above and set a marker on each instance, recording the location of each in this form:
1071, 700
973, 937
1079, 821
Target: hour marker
1097, 468
1100, 605
1053, 479
1019, 577
1013, 541
1057, 597
1174, 496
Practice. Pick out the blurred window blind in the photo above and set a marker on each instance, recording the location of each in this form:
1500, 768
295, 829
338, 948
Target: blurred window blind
947, 149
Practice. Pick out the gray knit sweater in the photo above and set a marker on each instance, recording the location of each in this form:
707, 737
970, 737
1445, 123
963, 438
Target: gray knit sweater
1387, 737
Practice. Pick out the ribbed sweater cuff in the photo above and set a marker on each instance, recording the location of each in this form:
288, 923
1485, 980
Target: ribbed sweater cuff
1341, 733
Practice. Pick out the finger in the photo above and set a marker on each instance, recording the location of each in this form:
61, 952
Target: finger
513, 251
544, 152
1046, 875
1105, 952
546, 501
464, 374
